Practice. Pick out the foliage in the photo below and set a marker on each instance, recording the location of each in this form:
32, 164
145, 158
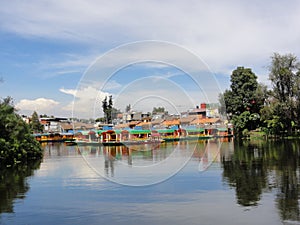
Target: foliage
244, 100
107, 106
128, 108
17, 145
241, 96
285, 78
158, 110
35, 124
278, 109
101, 119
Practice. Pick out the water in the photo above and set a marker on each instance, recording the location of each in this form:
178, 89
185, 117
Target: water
221, 183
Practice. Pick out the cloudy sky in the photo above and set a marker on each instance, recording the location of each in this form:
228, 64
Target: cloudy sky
51, 51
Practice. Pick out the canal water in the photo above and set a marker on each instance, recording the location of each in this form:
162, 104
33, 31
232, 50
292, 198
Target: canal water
205, 182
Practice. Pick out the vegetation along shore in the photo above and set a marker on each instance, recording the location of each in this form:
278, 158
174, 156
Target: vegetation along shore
274, 111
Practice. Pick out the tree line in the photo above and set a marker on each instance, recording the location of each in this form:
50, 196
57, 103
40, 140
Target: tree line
250, 105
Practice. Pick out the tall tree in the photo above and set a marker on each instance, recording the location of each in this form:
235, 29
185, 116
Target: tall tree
128, 108
244, 100
243, 86
107, 109
104, 108
284, 76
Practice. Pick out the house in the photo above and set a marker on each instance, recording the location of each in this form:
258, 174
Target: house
173, 123
52, 124
157, 123
185, 121
135, 116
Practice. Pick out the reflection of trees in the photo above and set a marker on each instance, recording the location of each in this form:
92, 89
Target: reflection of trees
13, 185
288, 180
254, 167
247, 173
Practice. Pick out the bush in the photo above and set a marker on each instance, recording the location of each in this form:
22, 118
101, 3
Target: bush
17, 145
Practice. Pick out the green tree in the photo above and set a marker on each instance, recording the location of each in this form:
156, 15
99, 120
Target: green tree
17, 145
128, 108
158, 110
107, 106
284, 76
243, 100
35, 124
100, 119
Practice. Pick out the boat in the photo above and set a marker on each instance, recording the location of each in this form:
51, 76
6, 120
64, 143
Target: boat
129, 137
86, 137
54, 137
169, 135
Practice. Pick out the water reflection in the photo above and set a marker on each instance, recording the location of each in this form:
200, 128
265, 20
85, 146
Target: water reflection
14, 185
125, 164
264, 177
257, 167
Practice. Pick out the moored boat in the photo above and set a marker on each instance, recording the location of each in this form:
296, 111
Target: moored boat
54, 137
129, 137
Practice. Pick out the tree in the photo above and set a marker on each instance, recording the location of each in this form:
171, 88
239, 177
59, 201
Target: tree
241, 97
35, 124
17, 145
107, 109
128, 108
158, 110
244, 99
101, 120
284, 76
110, 108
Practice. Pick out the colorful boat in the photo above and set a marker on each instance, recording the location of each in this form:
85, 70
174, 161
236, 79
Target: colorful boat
169, 135
129, 137
54, 137
86, 137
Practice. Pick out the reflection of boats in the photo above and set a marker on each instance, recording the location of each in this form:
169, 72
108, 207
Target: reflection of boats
70, 143
86, 142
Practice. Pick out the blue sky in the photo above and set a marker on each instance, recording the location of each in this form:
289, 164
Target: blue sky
47, 48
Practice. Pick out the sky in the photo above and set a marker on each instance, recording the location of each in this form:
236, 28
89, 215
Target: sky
63, 57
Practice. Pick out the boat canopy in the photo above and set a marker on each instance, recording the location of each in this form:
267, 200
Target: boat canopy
195, 130
165, 131
140, 131
86, 132
109, 131
222, 129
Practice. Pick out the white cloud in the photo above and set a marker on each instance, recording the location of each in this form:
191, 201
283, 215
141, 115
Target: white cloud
224, 34
41, 105
87, 102
68, 91
112, 85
